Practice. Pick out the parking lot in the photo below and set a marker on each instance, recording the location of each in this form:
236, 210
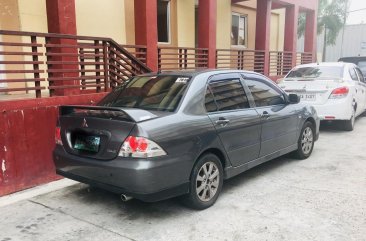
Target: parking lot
321, 198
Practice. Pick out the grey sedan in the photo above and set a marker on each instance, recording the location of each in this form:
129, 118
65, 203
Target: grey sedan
181, 133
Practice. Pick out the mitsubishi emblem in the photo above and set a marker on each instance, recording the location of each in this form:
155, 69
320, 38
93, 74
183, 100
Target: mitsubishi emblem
84, 124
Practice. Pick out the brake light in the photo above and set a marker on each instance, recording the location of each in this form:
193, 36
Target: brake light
58, 140
140, 147
339, 93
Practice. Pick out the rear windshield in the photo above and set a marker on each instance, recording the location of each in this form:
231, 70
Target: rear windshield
318, 72
160, 93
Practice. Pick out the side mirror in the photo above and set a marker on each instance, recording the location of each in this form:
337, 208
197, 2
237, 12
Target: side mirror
293, 98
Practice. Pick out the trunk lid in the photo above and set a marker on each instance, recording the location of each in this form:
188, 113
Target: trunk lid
312, 91
98, 132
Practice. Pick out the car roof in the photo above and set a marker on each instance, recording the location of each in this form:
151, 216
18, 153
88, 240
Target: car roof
193, 73
354, 59
335, 64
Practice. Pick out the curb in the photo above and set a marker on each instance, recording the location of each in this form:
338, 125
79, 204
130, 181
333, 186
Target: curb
35, 191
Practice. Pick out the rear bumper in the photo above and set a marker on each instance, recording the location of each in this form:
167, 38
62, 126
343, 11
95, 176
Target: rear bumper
145, 179
340, 109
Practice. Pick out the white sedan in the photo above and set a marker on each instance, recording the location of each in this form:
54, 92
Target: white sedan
336, 90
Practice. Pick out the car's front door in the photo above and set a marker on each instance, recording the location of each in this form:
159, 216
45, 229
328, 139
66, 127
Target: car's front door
236, 122
279, 119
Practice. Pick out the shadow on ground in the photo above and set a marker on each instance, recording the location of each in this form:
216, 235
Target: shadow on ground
98, 199
337, 126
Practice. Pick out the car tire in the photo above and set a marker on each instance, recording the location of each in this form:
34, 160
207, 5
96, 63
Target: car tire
205, 182
305, 143
348, 125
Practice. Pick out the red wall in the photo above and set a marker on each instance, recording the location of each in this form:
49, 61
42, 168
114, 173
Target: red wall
27, 139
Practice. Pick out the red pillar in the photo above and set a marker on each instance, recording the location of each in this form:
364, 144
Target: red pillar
61, 18
207, 29
310, 33
146, 30
290, 43
262, 33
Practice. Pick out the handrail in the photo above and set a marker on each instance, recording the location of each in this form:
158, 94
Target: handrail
49, 64
179, 58
253, 60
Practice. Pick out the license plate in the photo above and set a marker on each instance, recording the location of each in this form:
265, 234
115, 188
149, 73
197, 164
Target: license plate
307, 97
87, 143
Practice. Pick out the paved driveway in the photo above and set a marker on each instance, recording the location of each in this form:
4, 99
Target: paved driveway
321, 198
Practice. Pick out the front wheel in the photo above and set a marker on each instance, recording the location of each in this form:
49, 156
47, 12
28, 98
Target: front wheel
206, 182
305, 144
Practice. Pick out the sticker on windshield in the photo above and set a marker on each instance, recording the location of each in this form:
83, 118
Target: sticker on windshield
182, 80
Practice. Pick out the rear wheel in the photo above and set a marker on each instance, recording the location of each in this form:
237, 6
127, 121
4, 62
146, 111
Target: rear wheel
348, 125
305, 144
206, 182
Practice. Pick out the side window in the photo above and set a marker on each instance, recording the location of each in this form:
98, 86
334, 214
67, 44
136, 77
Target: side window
264, 94
360, 75
353, 74
210, 102
227, 94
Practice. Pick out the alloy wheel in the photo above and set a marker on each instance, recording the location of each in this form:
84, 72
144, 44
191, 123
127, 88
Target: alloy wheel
207, 181
307, 140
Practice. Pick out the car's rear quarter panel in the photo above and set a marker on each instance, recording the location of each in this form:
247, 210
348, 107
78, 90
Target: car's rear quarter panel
182, 135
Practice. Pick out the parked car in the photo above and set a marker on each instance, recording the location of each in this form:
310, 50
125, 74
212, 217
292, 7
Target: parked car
336, 90
360, 61
181, 133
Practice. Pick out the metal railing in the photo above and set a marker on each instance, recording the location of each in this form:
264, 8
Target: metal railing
177, 58
139, 51
240, 59
280, 63
304, 58
43, 64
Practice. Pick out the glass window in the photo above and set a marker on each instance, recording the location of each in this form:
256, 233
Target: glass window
360, 75
238, 29
162, 93
164, 21
319, 72
353, 74
362, 66
210, 102
264, 94
228, 95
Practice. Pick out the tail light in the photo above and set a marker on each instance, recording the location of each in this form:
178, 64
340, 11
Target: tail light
339, 93
140, 147
58, 140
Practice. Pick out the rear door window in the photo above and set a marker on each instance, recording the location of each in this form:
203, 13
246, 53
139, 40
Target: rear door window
264, 93
353, 74
161, 93
362, 66
360, 75
225, 94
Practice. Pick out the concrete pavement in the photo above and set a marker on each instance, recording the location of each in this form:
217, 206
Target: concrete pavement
321, 198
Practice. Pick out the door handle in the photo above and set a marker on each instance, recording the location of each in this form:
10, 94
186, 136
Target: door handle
222, 121
265, 115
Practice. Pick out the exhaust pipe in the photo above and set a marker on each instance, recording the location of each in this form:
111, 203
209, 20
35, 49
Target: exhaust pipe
125, 198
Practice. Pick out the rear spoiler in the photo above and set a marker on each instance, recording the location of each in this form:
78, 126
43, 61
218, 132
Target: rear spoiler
96, 111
